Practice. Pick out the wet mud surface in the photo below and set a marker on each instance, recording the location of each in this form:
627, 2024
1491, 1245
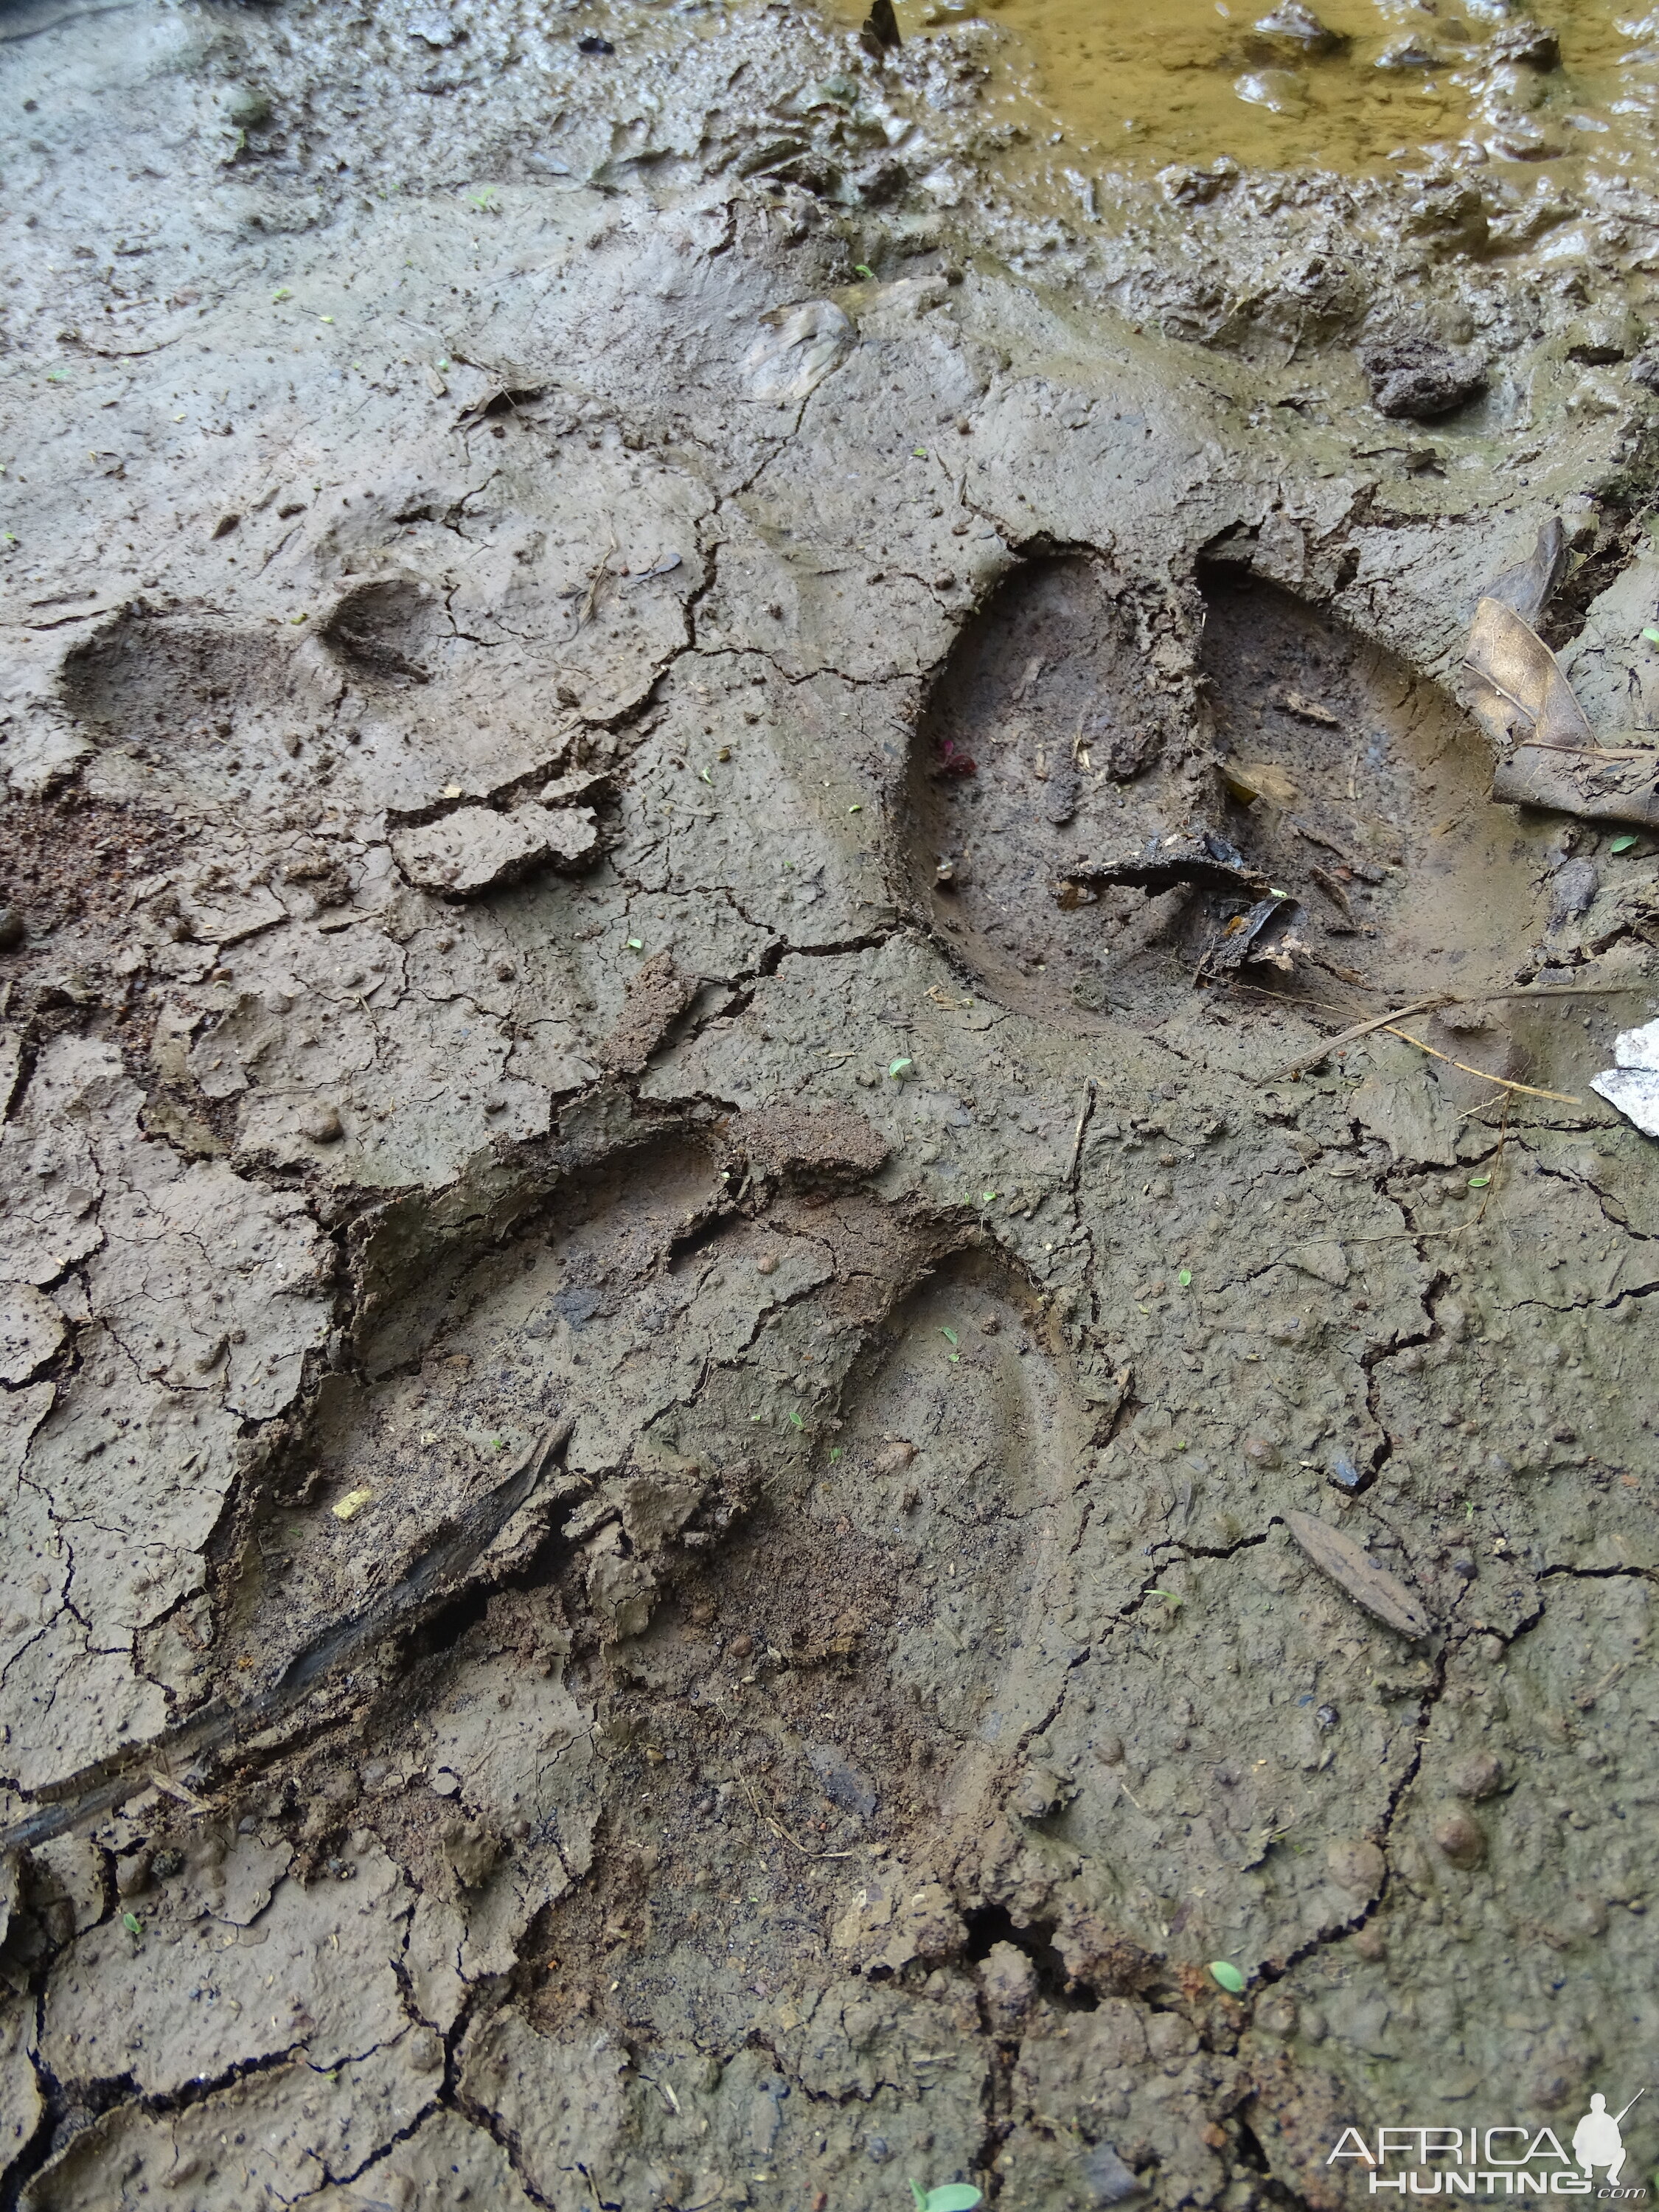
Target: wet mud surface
806, 1272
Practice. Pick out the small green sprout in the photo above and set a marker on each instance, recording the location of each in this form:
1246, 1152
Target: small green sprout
835, 1454
989, 1197
795, 1421
1185, 1278
863, 268
283, 292
949, 2197
705, 777
918, 453
859, 809
636, 945
1168, 1596
1622, 844
1228, 1975
488, 202
132, 1923
1478, 1182
898, 1069
1651, 634
950, 1337
326, 319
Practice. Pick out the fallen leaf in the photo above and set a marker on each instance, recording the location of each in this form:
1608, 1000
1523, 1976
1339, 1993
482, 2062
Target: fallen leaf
1309, 710
1519, 690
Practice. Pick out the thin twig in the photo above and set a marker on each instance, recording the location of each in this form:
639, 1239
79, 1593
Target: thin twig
1526, 1090
1083, 1120
1321, 1050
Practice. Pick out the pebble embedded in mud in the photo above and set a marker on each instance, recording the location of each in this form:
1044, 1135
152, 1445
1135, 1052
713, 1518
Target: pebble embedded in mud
1460, 1838
1357, 1866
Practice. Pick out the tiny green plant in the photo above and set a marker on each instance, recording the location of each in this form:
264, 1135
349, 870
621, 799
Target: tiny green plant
488, 202
949, 2197
863, 268
132, 1923
1228, 1976
1185, 1278
898, 1069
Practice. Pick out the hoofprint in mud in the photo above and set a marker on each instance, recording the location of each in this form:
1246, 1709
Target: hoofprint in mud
736, 1417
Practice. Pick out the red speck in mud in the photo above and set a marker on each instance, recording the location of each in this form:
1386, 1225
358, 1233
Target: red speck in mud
952, 761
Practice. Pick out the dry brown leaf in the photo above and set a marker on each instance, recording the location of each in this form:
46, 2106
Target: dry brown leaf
1248, 779
1520, 692
1349, 1565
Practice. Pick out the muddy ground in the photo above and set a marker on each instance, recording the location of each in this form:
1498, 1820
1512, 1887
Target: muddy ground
659, 1325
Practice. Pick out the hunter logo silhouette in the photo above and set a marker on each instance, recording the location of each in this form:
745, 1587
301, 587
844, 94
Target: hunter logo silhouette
1596, 2140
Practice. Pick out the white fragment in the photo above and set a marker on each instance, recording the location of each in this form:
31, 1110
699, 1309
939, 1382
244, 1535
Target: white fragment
1632, 1083
797, 348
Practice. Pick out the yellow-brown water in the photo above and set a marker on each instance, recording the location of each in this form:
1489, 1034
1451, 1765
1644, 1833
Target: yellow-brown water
1140, 84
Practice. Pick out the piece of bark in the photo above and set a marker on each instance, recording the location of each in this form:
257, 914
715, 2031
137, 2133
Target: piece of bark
1208, 862
1352, 1567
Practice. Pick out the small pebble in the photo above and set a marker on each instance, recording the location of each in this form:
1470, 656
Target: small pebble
323, 1126
1357, 1865
1460, 1839
1480, 1775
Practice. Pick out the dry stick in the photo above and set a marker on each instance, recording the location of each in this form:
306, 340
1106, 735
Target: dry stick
1328, 1045
1526, 1090
1082, 1129
1319, 1051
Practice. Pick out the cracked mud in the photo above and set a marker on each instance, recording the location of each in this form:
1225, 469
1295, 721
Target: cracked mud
806, 1267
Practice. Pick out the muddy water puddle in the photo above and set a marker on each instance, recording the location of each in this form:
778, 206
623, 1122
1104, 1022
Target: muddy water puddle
1351, 85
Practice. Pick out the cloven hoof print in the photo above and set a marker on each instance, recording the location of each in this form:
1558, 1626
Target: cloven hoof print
828, 1105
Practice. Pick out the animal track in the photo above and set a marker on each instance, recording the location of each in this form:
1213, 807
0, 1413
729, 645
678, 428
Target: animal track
1078, 850
1364, 788
1042, 742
